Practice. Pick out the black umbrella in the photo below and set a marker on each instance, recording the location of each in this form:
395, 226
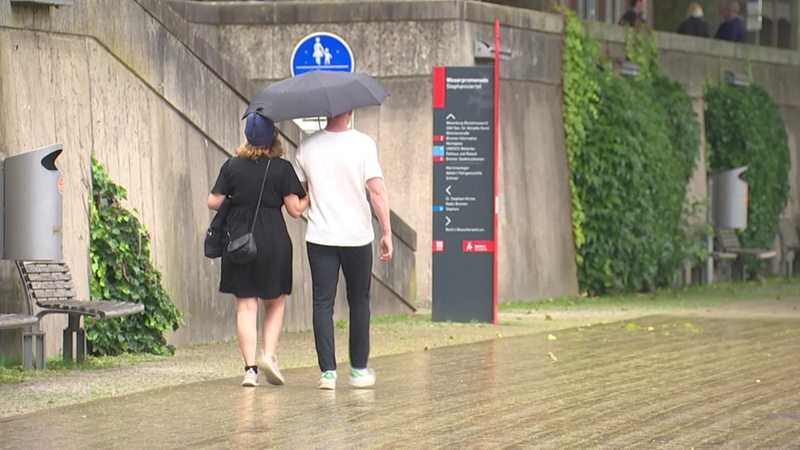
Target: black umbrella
318, 93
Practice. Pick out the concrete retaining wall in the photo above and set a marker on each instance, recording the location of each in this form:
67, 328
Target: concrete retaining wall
159, 109
106, 78
399, 42
155, 88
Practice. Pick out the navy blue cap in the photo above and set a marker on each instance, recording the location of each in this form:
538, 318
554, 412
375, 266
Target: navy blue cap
258, 130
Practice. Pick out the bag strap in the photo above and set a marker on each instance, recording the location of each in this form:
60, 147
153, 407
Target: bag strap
258, 205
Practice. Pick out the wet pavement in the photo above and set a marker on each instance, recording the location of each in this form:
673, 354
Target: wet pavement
652, 382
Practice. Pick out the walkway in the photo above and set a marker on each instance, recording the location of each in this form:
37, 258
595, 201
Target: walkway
654, 382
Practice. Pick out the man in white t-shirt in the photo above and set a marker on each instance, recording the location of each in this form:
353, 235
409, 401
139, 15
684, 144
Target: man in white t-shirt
337, 166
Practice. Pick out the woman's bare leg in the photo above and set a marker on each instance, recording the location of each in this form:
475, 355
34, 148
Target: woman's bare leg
271, 331
272, 324
247, 328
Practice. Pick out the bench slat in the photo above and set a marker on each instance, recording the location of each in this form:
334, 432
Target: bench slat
49, 276
97, 308
44, 294
44, 267
9, 320
51, 284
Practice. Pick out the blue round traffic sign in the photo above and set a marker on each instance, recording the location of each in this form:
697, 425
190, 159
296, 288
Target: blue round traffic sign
321, 51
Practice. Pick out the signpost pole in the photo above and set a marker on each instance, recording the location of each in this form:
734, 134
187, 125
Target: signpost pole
496, 160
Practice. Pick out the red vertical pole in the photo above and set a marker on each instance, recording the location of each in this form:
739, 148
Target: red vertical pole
496, 159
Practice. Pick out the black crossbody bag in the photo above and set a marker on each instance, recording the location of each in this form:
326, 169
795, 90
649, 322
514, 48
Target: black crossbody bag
243, 249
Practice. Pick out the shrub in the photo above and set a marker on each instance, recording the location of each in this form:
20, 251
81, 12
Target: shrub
121, 269
744, 128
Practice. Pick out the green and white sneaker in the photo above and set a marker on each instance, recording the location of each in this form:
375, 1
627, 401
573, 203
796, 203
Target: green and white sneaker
362, 378
328, 380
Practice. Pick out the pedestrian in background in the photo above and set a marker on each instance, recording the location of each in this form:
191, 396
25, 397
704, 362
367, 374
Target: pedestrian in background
732, 27
269, 275
694, 24
634, 16
337, 166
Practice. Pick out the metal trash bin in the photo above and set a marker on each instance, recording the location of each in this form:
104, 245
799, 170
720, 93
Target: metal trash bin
729, 199
32, 205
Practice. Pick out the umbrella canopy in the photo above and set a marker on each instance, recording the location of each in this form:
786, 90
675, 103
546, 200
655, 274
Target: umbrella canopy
318, 93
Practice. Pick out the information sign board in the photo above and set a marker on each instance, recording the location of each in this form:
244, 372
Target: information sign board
463, 194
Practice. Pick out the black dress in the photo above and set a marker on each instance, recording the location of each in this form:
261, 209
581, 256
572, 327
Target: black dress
694, 26
270, 274
631, 18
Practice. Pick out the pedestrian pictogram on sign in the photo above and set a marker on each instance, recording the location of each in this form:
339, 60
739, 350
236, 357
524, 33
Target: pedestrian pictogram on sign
322, 51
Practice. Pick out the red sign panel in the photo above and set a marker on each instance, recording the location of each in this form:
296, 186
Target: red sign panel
477, 246
438, 86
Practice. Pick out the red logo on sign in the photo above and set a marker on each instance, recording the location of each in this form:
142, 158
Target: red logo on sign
438, 246
477, 246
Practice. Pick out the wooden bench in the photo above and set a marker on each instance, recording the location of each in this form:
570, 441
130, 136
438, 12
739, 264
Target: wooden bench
49, 285
728, 245
30, 323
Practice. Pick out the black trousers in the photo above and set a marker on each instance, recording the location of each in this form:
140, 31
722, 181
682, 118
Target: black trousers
356, 265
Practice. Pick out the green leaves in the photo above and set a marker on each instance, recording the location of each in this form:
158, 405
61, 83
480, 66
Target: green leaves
744, 128
632, 145
122, 270
580, 89
632, 180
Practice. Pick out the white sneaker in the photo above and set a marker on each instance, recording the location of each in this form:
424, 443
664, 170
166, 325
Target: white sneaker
250, 378
269, 365
328, 380
362, 378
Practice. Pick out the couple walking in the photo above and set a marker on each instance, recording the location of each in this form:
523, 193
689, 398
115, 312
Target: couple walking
332, 171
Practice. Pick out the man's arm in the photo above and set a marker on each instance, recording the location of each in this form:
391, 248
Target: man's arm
380, 202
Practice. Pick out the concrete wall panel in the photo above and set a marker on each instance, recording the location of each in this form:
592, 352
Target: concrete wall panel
45, 72
404, 147
536, 253
792, 116
149, 148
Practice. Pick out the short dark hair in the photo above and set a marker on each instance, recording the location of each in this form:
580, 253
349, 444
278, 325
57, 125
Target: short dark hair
634, 2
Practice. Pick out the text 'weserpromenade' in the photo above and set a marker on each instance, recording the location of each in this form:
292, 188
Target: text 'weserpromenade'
466, 83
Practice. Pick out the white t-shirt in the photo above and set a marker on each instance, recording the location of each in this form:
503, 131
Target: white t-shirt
336, 166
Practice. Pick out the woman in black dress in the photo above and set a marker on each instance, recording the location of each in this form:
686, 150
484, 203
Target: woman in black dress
694, 24
269, 276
